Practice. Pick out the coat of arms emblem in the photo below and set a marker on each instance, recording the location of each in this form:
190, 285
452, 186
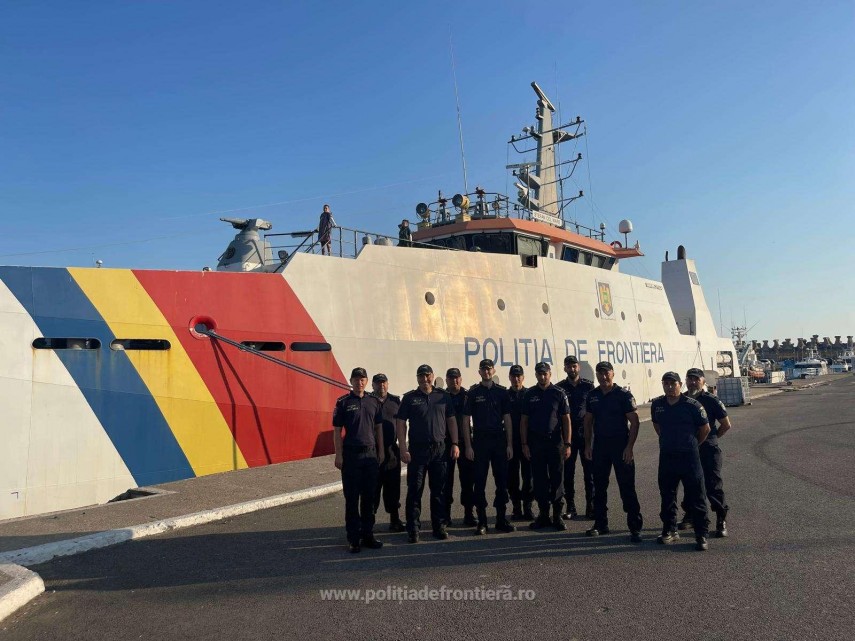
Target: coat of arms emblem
604, 292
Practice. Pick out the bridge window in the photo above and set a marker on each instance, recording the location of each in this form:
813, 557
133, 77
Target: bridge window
311, 347
67, 343
140, 344
570, 254
529, 246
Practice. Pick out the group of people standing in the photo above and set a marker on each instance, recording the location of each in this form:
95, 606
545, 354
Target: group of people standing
530, 439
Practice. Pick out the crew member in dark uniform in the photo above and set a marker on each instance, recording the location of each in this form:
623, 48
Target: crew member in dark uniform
519, 467
488, 407
709, 451
465, 467
430, 413
681, 423
389, 481
577, 390
357, 454
545, 437
611, 427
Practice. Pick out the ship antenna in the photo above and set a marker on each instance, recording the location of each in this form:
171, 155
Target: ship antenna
457, 100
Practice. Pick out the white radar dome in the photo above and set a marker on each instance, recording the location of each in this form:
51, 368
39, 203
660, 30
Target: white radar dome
625, 226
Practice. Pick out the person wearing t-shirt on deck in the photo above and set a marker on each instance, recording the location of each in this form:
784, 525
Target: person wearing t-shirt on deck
611, 427
681, 423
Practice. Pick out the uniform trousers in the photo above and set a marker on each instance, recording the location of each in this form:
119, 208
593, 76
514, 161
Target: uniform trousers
491, 450
427, 461
359, 472
577, 451
519, 476
710, 454
547, 471
608, 454
389, 484
685, 468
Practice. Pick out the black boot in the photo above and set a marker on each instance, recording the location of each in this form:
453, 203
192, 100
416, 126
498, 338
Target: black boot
481, 528
502, 523
469, 517
571, 511
557, 521
527, 513
368, 541
517, 514
542, 520
721, 526
395, 524
686, 522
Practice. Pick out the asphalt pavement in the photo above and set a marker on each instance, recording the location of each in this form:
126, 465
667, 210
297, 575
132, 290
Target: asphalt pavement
785, 572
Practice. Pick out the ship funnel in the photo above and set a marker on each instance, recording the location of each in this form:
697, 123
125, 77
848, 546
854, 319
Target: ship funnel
248, 252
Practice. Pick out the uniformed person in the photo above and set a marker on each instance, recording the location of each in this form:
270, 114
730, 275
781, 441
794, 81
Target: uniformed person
577, 390
709, 450
357, 454
389, 479
465, 467
519, 467
545, 437
611, 427
490, 444
430, 413
681, 423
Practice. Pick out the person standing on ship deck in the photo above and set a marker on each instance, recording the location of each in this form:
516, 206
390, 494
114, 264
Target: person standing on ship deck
488, 408
519, 467
357, 455
325, 227
682, 425
389, 480
430, 413
709, 451
465, 467
577, 390
545, 438
611, 427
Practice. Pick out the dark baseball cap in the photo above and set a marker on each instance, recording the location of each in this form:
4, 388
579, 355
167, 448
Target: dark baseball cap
358, 372
696, 372
453, 372
380, 378
542, 367
604, 366
570, 360
672, 376
516, 370
424, 369
487, 362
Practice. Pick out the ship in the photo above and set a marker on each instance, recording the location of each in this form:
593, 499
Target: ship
113, 379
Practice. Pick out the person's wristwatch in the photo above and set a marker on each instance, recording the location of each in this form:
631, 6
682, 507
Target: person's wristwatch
566, 443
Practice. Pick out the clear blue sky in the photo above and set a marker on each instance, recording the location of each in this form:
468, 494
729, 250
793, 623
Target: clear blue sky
726, 126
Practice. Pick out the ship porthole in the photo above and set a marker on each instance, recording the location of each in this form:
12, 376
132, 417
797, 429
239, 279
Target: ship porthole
639, 318
650, 373
623, 374
430, 299
622, 316
500, 304
545, 308
596, 312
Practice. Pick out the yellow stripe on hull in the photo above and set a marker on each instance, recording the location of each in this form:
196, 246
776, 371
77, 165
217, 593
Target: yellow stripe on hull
172, 379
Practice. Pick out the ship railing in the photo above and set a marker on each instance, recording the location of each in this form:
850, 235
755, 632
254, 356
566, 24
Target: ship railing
344, 243
205, 331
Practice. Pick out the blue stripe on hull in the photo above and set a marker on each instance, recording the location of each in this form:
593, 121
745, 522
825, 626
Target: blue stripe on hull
107, 378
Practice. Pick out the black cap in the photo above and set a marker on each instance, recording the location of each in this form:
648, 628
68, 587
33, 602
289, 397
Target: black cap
453, 372
542, 367
516, 370
696, 372
380, 378
672, 376
424, 369
570, 360
358, 372
604, 366
487, 362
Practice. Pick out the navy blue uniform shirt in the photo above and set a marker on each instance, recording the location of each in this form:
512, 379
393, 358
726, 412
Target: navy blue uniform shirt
578, 396
388, 411
357, 416
427, 414
610, 410
459, 402
515, 398
544, 408
715, 412
487, 406
678, 423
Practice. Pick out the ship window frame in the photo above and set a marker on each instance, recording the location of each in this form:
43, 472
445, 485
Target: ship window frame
310, 346
140, 345
570, 253
60, 343
265, 346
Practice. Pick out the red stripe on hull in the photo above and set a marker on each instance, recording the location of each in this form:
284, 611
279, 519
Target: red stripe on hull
274, 413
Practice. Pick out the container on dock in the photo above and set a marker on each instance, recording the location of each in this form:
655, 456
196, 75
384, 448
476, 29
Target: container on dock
733, 391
